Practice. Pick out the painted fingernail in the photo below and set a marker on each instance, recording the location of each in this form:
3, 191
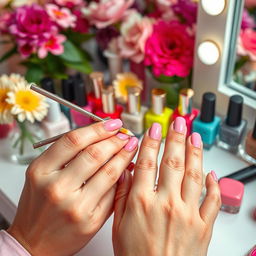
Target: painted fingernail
130, 167
113, 124
196, 139
252, 251
179, 125
132, 144
214, 175
155, 131
122, 136
122, 177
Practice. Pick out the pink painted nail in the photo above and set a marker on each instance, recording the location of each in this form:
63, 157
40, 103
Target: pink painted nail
113, 124
214, 175
196, 139
252, 251
179, 124
122, 136
155, 131
132, 144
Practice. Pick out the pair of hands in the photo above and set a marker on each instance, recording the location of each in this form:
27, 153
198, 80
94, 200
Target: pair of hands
74, 186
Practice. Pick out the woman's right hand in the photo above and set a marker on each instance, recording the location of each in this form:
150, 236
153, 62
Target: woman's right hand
69, 190
166, 219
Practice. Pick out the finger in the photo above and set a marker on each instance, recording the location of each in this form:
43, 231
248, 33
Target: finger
145, 170
173, 160
121, 196
212, 202
82, 167
69, 145
193, 177
109, 174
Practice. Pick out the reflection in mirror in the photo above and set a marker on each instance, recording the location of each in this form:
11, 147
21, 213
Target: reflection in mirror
245, 65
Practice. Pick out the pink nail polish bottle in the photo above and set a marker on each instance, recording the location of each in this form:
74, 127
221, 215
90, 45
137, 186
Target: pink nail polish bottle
185, 109
80, 100
94, 98
232, 192
109, 106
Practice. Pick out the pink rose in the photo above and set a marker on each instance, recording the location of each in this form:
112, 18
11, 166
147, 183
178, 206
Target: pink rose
62, 16
169, 50
106, 12
69, 3
135, 31
82, 24
247, 43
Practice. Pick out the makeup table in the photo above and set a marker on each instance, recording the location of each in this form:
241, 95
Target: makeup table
233, 235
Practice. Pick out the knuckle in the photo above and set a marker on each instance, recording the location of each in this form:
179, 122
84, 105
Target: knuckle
141, 200
146, 164
151, 144
110, 171
215, 199
32, 174
73, 215
174, 163
53, 193
116, 143
195, 175
72, 139
94, 153
197, 153
97, 129
177, 138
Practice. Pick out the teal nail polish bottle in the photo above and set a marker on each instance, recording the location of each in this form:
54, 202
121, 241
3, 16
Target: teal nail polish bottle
207, 124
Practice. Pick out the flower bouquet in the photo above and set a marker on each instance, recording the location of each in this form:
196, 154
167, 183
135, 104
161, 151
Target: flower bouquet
22, 106
47, 35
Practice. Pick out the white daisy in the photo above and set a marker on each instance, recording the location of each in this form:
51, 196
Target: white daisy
5, 107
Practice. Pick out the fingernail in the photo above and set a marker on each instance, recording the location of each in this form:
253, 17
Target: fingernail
122, 177
155, 131
130, 167
179, 125
132, 144
122, 136
196, 139
214, 175
113, 124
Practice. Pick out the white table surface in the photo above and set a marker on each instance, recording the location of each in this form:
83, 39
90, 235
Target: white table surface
234, 234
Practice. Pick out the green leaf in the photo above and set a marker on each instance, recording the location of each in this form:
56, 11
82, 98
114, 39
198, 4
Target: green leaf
78, 38
83, 67
8, 54
34, 74
71, 53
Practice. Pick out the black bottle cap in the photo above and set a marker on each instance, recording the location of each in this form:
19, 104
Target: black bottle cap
48, 84
80, 93
235, 108
208, 107
68, 89
254, 131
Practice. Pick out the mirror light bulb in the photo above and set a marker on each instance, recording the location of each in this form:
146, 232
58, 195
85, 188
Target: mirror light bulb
208, 52
213, 7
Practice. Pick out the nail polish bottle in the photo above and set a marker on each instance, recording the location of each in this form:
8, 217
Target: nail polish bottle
207, 124
94, 98
55, 122
158, 113
67, 88
232, 128
133, 116
80, 100
185, 109
232, 192
109, 106
250, 146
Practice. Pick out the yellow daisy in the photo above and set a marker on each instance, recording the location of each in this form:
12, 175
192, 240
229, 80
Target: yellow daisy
122, 82
27, 105
5, 108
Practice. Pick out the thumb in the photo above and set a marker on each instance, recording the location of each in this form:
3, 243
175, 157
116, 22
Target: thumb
122, 192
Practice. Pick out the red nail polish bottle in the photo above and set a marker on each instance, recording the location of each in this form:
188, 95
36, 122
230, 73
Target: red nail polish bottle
94, 98
185, 109
109, 107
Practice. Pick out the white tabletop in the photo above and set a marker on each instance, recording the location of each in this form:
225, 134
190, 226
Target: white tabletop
234, 234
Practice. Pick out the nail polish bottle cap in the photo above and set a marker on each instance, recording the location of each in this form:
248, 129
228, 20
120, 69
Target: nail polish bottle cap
158, 100
80, 92
108, 100
254, 131
68, 89
185, 101
48, 84
235, 108
133, 104
208, 107
97, 83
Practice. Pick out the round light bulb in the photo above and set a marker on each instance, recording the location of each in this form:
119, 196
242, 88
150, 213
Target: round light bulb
208, 52
213, 7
